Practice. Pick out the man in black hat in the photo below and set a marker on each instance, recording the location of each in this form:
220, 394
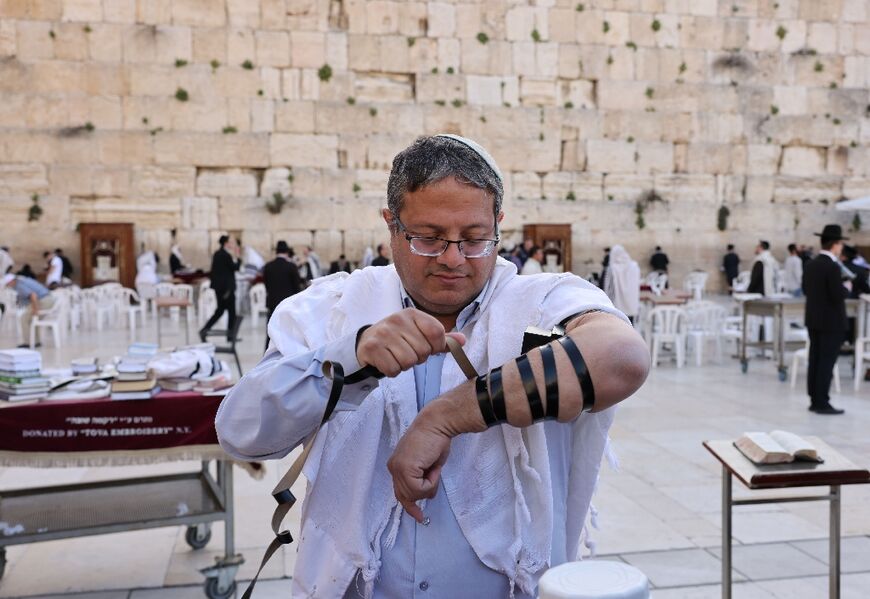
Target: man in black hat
281, 278
825, 317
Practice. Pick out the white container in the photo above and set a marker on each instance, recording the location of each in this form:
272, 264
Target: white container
593, 579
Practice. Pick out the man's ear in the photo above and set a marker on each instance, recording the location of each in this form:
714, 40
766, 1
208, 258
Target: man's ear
499, 217
387, 216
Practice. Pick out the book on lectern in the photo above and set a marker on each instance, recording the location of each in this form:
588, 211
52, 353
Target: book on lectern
776, 447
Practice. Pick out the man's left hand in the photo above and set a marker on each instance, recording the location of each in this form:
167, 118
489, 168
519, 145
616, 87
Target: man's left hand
416, 465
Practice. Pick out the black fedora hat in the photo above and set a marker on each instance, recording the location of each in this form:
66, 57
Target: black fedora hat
282, 247
831, 233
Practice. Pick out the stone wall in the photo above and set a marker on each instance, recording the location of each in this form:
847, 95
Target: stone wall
193, 114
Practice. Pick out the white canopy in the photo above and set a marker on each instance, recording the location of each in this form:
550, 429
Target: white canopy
856, 204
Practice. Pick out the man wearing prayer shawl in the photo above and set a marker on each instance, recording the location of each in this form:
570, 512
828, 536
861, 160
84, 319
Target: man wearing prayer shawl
408, 489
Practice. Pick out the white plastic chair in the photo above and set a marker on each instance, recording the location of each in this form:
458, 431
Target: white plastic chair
803, 355
53, 318
667, 327
185, 292
705, 321
133, 306
257, 296
695, 282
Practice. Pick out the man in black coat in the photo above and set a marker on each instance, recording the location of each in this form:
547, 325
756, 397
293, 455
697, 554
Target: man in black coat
825, 317
731, 265
224, 264
281, 278
382, 259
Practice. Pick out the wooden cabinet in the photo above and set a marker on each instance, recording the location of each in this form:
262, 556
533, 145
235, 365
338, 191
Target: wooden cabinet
107, 254
556, 241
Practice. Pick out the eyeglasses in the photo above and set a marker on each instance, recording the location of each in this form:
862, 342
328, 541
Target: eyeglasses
432, 247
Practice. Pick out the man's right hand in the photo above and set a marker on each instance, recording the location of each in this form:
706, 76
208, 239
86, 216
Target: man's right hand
402, 340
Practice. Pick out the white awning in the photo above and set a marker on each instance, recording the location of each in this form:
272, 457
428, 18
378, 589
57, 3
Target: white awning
856, 204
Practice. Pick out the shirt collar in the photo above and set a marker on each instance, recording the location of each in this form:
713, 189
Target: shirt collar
829, 255
468, 313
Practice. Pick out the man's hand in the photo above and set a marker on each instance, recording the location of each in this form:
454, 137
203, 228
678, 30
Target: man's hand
402, 340
416, 466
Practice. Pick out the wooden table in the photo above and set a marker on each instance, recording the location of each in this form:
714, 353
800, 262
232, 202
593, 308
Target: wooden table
172, 302
834, 472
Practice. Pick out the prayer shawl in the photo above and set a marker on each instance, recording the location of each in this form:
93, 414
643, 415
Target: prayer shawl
622, 284
497, 482
770, 267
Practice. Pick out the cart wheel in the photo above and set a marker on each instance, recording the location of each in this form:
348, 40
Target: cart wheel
744, 366
783, 375
2, 561
198, 536
212, 591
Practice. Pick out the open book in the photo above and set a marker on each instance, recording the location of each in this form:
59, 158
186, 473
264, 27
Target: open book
776, 448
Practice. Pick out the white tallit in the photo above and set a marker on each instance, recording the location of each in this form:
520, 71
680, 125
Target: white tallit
770, 265
623, 281
497, 482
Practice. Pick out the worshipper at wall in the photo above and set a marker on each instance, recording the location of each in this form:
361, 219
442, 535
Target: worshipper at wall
26, 271
54, 273
340, 265
281, 278
368, 258
176, 260
825, 316
623, 282
793, 271
533, 265
32, 294
731, 265
659, 260
146, 268
605, 262
509, 501
224, 264
311, 268
383, 257
525, 251
514, 257
252, 261
764, 267
67, 267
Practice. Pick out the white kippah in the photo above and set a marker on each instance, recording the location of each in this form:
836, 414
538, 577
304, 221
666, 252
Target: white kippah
477, 149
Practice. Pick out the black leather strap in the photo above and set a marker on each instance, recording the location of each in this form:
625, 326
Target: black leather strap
496, 395
581, 371
483, 401
531, 387
551, 381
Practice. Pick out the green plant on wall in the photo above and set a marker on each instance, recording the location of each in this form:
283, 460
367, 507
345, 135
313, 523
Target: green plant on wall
722, 217
35, 211
639, 209
856, 222
276, 204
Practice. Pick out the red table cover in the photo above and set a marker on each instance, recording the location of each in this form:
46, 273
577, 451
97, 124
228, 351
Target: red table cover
170, 419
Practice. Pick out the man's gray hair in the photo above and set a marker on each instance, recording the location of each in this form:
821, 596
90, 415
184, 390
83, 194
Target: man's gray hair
430, 159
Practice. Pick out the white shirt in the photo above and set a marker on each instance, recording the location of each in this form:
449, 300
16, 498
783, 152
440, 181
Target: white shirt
532, 267
55, 271
794, 271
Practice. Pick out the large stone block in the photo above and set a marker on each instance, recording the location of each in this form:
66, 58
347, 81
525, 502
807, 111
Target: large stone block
209, 43
820, 10
709, 158
395, 54
802, 161
200, 13
763, 159
33, 41
82, 10
70, 42
382, 17
277, 180
384, 88
7, 39
212, 149
538, 92
623, 187
308, 49
273, 48
303, 150
162, 181
412, 18
681, 189
606, 156
294, 117
147, 213
383, 148
226, 183
798, 189
241, 47
105, 42
483, 90
492, 58
16, 179
655, 158
441, 19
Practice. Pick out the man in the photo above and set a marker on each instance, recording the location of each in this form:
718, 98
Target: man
224, 264
856, 265
281, 278
312, 264
382, 258
66, 265
763, 268
731, 265
54, 274
507, 503
525, 250
533, 263
33, 295
794, 271
340, 265
659, 260
825, 317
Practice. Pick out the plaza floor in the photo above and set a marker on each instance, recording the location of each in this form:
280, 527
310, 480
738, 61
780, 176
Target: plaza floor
660, 511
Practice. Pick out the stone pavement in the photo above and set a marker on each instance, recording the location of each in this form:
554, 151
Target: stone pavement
659, 512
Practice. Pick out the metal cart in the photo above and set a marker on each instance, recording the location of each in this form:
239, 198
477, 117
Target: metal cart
194, 499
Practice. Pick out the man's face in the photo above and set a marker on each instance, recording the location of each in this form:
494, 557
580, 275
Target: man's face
837, 249
445, 284
758, 249
539, 256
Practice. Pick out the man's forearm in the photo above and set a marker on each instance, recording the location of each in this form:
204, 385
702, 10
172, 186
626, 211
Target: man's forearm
614, 353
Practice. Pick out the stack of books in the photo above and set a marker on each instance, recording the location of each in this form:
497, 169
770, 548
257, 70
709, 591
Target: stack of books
21, 375
177, 384
216, 384
133, 380
82, 366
